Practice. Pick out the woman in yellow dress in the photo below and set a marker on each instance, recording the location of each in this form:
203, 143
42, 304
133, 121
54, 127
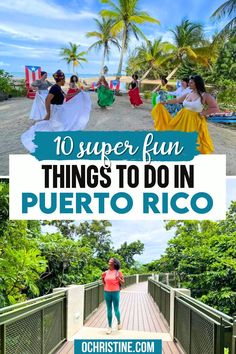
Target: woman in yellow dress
192, 118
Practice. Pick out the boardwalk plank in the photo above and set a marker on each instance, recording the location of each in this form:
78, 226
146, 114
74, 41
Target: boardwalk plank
138, 313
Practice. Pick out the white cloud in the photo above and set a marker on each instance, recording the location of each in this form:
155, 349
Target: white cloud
44, 34
44, 9
151, 233
2, 63
21, 51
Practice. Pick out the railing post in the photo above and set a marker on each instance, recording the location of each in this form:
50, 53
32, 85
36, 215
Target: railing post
137, 278
173, 294
75, 309
167, 279
234, 337
3, 339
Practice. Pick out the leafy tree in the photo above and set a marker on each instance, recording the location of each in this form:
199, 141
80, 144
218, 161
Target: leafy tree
4, 202
154, 54
127, 19
71, 55
21, 263
224, 66
128, 251
189, 44
105, 38
227, 10
203, 255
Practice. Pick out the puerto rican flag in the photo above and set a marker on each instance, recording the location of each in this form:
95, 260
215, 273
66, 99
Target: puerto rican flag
32, 73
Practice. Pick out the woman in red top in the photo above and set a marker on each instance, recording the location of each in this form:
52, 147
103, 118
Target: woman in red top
73, 87
112, 280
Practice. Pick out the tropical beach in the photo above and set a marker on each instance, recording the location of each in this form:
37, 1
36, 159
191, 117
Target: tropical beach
17, 110
140, 67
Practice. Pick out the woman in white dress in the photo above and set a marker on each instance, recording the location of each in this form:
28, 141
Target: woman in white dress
184, 89
38, 111
60, 116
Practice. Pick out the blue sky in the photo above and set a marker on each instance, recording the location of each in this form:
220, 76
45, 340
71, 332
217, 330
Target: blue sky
32, 31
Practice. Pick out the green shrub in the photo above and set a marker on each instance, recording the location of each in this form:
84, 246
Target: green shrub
226, 93
147, 95
8, 86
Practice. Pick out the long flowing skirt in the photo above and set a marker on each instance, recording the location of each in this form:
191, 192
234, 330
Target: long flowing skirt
38, 110
185, 121
161, 96
72, 115
105, 96
134, 97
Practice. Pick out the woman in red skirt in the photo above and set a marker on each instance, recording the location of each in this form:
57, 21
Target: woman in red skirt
134, 95
73, 87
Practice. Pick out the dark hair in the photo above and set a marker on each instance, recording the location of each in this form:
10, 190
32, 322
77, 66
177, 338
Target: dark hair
43, 73
185, 79
72, 78
116, 263
59, 76
199, 83
164, 79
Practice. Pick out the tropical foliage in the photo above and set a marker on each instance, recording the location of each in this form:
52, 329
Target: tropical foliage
227, 11
203, 255
153, 55
8, 87
105, 38
71, 55
127, 19
189, 45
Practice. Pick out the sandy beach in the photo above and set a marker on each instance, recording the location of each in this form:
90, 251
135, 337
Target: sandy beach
14, 120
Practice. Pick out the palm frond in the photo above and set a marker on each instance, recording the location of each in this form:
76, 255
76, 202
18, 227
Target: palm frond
117, 28
94, 34
109, 14
226, 9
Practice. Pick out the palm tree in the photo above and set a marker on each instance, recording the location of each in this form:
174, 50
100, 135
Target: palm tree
105, 38
227, 9
188, 44
71, 55
126, 18
154, 54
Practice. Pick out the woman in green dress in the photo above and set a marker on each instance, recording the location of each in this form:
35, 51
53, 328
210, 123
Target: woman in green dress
105, 95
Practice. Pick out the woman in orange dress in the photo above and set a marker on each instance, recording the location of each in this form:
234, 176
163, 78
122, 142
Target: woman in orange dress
192, 118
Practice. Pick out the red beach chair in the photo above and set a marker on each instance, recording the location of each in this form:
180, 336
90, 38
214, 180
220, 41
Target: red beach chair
32, 73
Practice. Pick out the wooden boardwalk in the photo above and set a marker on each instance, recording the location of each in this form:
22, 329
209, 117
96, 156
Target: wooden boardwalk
138, 312
140, 319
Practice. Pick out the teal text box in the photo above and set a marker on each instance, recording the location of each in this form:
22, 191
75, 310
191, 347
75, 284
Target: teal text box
118, 346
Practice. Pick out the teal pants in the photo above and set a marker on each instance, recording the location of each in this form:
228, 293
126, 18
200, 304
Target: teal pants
112, 297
